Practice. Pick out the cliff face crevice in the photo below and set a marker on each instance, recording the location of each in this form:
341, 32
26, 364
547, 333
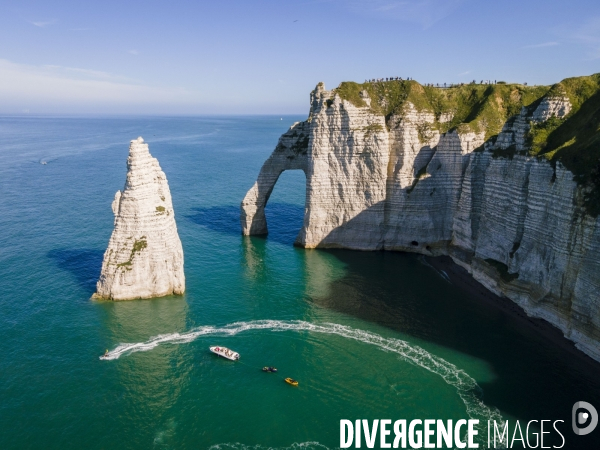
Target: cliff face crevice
415, 178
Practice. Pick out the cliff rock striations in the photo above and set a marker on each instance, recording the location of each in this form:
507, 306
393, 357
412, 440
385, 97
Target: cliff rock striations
144, 257
504, 178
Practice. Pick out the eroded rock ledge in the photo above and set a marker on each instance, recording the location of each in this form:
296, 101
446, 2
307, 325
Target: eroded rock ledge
144, 257
415, 177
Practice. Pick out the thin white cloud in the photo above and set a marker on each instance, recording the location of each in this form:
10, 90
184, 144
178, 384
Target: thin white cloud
89, 73
75, 72
42, 23
589, 35
423, 12
588, 32
56, 86
545, 44
133, 52
464, 73
586, 35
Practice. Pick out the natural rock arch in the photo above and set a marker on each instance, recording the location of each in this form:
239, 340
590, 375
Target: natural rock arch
290, 154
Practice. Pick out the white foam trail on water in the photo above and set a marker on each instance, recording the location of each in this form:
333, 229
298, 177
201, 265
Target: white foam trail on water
468, 389
294, 446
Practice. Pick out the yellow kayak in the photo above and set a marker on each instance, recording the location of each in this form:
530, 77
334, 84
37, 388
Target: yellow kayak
291, 381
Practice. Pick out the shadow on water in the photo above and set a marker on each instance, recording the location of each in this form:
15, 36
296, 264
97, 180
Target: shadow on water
284, 219
84, 264
398, 291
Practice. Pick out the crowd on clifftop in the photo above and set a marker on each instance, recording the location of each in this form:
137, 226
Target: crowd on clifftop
439, 85
378, 80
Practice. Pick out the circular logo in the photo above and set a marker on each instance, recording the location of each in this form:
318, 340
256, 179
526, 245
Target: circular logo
581, 418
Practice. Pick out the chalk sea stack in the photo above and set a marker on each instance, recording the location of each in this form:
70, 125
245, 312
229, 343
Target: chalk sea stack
504, 178
144, 258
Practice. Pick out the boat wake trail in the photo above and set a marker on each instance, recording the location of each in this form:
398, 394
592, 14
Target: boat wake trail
467, 388
294, 446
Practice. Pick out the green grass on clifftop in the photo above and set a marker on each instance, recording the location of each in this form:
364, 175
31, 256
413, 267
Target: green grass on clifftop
573, 140
472, 107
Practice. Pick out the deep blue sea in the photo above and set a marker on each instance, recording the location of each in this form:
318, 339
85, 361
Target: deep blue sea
368, 335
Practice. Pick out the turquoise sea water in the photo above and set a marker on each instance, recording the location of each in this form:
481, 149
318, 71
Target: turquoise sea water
369, 335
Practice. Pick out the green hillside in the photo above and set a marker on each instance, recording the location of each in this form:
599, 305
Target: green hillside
573, 140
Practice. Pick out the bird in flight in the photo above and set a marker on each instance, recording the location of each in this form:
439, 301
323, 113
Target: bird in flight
296, 20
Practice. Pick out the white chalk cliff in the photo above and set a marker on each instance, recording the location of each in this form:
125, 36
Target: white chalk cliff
144, 257
516, 222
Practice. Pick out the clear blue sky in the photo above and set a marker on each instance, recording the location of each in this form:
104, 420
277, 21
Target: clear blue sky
245, 56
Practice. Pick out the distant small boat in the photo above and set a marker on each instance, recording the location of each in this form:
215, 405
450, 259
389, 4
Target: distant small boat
43, 163
225, 353
445, 275
269, 369
291, 381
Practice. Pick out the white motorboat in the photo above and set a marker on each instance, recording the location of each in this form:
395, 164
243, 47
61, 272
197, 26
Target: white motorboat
225, 353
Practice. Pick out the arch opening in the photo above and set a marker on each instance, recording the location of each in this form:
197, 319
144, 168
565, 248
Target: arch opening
284, 210
291, 154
